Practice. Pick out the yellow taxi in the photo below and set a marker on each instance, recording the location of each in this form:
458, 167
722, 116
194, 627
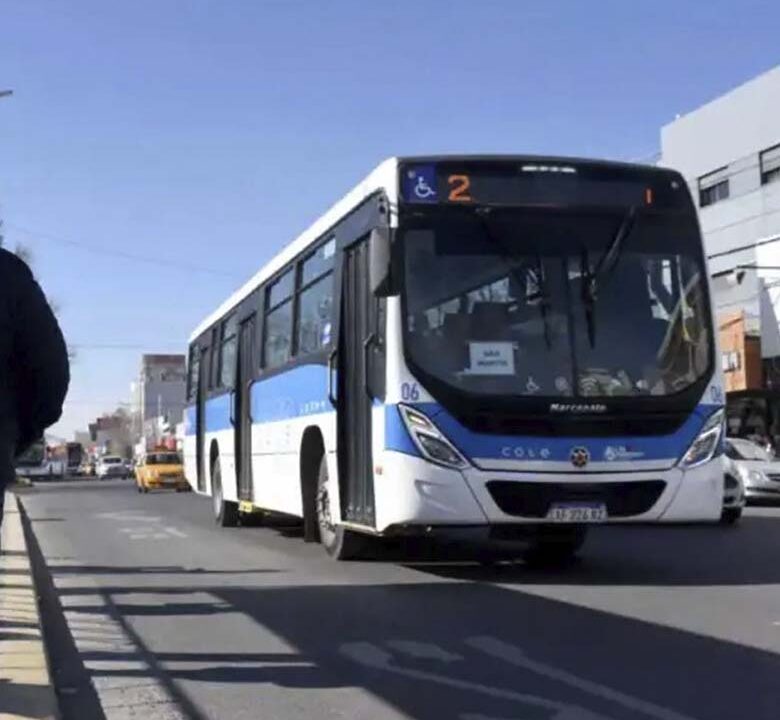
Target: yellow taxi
160, 469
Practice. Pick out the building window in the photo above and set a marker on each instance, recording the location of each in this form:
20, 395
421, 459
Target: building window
713, 187
770, 165
730, 361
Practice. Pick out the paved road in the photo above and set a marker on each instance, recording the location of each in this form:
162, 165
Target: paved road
171, 617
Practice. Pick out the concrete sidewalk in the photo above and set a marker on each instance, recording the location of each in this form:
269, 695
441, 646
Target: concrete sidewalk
25, 686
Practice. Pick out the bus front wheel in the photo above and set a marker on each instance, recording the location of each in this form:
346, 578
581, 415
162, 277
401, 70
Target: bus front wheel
225, 511
339, 543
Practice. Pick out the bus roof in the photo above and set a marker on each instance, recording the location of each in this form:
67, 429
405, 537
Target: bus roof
383, 177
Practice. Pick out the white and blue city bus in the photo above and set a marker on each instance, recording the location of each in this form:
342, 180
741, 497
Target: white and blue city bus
515, 346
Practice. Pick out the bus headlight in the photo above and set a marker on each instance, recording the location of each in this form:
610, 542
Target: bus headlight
707, 442
429, 440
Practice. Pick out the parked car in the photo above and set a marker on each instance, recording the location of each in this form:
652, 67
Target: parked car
758, 469
110, 466
160, 469
733, 493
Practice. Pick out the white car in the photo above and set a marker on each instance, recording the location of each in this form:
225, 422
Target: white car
110, 466
758, 469
734, 499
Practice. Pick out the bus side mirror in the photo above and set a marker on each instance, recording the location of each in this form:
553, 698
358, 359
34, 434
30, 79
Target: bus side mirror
379, 261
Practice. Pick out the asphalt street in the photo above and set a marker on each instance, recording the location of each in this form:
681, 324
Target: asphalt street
155, 612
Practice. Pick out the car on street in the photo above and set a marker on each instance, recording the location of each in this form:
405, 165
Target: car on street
110, 466
758, 469
160, 469
733, 493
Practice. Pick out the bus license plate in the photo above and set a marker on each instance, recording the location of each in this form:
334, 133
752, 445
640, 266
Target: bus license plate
577, 513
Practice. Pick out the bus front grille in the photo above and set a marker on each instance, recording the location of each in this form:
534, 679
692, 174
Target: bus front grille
533, 499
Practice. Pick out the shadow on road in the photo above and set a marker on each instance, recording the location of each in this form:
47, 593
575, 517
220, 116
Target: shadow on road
460, 650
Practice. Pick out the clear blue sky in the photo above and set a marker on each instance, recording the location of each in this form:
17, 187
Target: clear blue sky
212, 132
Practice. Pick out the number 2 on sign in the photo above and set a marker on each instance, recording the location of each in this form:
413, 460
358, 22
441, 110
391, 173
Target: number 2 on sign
459, 188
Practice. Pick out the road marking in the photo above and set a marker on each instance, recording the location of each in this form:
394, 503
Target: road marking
374, 657
146, 532
425, 651
515, 656
129, 516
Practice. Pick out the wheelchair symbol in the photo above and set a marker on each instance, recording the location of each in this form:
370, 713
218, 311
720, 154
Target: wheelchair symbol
422, 190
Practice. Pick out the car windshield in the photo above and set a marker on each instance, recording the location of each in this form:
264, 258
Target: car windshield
739, 449
163, 459
111, 460
507, 304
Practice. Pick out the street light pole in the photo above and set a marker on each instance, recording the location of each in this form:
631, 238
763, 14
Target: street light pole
6, 93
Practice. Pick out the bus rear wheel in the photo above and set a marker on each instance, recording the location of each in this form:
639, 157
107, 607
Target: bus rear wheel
225, 511
339, 543
555, 547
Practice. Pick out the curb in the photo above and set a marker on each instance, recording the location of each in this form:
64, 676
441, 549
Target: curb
26, 689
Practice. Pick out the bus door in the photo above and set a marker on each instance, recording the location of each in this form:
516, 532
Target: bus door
356, 482
243, 417
200, 419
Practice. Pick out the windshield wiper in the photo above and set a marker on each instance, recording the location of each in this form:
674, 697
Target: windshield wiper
541, 283
605, 265
482, 214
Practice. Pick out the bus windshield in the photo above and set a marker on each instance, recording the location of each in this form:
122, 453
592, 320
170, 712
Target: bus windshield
545, 303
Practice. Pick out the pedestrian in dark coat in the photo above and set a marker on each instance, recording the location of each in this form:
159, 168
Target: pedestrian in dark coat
34, 372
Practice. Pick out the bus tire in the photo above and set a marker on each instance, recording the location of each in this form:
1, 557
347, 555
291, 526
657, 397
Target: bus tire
555, 548
339, 543
225, 511
730, 516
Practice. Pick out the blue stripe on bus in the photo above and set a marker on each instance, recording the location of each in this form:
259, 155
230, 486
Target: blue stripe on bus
296, 393
218, 413
554, 449
302, 391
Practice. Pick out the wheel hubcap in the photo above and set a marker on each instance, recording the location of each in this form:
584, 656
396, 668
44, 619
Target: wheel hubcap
217, 498
324, 517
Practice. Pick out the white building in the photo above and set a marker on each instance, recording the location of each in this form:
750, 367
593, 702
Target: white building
729, 152
159, 393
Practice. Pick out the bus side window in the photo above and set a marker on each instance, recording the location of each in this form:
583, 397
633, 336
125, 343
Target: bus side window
193, 370
227, 353
277, 331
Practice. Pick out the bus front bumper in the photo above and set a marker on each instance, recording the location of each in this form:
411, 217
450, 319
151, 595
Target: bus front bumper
411, 492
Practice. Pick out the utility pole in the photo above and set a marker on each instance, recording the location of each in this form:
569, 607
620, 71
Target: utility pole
3, 93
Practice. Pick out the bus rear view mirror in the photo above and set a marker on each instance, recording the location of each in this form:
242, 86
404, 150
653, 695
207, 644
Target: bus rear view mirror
379, 262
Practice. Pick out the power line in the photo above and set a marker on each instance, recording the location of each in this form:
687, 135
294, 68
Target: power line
749, 246
133, 257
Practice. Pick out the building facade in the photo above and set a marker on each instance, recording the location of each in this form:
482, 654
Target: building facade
729, 153
159, 394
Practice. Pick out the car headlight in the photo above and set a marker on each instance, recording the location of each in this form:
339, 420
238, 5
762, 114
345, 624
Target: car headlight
429, 440
755, 476
707, 443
